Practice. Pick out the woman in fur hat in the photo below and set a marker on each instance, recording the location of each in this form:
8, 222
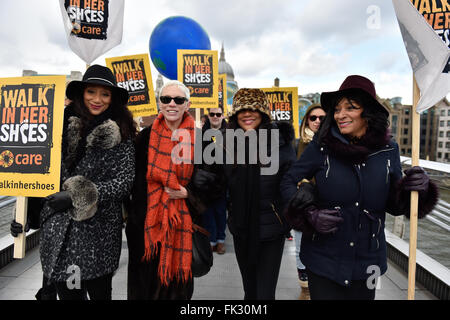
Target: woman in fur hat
81, 226
358, 175
255, 206
164, 203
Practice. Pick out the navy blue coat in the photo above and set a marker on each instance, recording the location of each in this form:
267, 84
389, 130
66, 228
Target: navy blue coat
362, 192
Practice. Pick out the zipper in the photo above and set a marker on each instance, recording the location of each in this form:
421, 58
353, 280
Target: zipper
275, 211
327, 162
388, 165
385, 150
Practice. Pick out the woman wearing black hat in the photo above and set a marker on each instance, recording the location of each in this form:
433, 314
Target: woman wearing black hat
358, 177
81, 226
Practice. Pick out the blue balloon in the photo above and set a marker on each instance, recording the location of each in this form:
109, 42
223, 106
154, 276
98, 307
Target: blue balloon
171, 34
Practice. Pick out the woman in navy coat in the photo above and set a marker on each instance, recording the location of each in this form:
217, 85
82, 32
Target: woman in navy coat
358, 177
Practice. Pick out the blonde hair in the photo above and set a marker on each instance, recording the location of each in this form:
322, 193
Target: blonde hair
179, 84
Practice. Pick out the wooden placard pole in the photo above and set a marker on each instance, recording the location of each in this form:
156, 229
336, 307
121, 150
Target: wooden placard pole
414, 194
21, 217
198, 117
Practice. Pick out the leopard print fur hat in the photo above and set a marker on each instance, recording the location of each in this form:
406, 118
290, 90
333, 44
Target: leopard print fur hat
253, 99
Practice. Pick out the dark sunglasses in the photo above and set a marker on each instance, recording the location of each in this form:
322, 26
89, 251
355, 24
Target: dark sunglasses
215, 114
167, 99
314, 118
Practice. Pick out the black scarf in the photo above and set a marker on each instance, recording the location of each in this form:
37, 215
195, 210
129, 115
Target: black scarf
245, 196
355, 150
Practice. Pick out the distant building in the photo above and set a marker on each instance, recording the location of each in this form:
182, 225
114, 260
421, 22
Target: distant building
232, 85
74, 75
401, 128
443, 136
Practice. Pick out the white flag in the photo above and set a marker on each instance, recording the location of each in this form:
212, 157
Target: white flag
92, 27
427, 53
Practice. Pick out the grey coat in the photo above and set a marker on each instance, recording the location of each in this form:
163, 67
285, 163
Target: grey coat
89, 235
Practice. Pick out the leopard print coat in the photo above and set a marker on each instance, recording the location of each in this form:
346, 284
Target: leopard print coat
89, 235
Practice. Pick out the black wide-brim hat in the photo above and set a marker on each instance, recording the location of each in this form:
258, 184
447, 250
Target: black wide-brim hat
352, 84
97, 75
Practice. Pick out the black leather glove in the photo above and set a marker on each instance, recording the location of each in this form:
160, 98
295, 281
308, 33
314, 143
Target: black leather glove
323, 220
416, 179
203, 180
59, 201
304, 197
17, 228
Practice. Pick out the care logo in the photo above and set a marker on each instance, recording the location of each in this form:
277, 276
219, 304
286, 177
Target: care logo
6, 159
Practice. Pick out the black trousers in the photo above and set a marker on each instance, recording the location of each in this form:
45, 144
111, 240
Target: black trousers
98, 289
321, 288
260, 282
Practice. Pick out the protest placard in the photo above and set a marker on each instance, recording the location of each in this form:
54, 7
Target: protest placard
31, 113
198, 70
92, 26
222, 93
283, 103
133, 73
31, 116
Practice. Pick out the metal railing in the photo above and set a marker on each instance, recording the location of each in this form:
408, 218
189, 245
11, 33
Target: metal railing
5, 200
441, 215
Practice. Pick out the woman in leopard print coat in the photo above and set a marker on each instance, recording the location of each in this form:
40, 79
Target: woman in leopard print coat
81, 226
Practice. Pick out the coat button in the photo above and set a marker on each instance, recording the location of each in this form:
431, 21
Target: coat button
346, 281
373, 235
356, 203
352, 244
363, 164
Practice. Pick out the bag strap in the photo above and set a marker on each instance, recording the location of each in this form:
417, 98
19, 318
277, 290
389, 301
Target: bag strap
196, 227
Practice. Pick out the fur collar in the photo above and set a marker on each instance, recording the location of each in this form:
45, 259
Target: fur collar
287, 133
104, 136
354, 152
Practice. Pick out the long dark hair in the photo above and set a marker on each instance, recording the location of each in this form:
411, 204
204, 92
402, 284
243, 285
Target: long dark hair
377, 120
116, 112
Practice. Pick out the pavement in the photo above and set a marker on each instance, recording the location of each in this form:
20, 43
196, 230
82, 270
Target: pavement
22, 278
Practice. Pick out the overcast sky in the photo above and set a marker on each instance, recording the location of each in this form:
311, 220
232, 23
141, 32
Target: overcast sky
309, 44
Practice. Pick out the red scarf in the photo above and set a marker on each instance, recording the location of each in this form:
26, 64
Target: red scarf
168, 224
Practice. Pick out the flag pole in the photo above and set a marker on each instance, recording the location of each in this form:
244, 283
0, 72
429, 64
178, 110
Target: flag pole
414, 194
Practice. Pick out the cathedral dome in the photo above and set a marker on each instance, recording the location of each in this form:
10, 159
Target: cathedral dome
224, 67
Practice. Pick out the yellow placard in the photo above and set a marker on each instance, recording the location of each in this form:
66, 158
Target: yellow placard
31, 119
223, 93
133, 74
199, 71
283, 104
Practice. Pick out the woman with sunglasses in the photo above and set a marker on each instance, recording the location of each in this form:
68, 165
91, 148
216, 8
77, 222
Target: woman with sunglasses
310, 125
358, 178
164, 203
